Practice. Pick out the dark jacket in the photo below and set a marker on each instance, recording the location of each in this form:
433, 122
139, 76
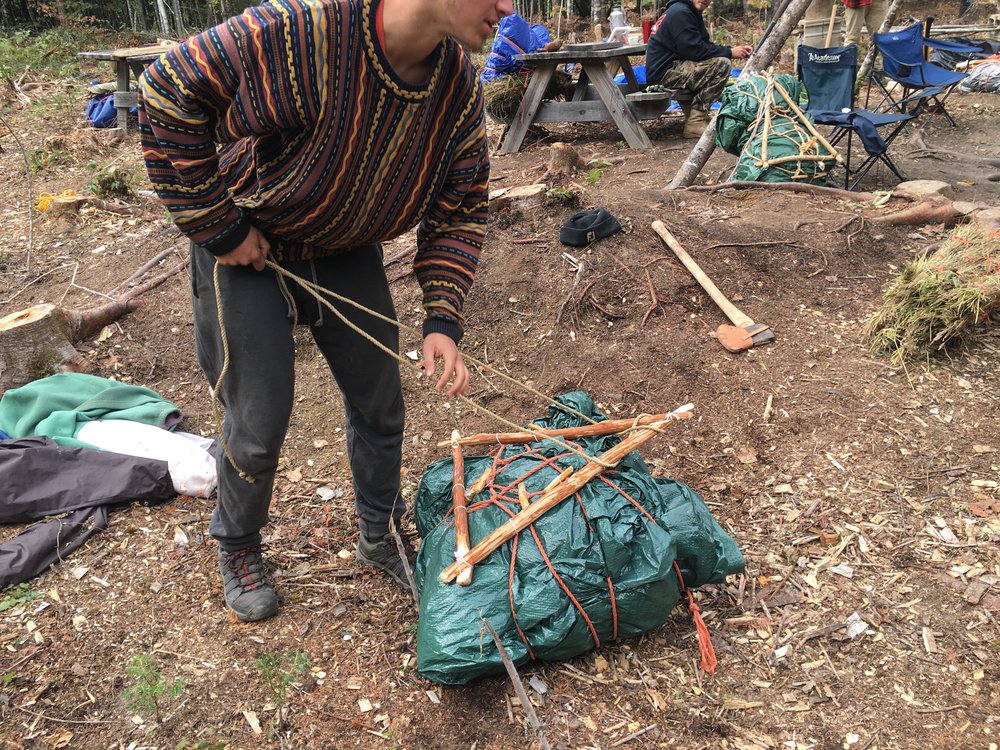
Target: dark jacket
681, 36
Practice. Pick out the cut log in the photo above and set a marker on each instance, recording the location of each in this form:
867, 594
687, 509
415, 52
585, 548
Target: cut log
38, 342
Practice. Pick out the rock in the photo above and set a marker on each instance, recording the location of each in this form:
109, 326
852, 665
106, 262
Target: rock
988, 218
918, 190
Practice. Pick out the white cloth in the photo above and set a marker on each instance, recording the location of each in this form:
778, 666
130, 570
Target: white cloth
192, 467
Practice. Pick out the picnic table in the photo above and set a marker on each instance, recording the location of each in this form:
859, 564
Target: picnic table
125, 63
624, 109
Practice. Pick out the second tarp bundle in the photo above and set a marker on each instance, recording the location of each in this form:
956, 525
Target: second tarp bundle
597, 567
773, 142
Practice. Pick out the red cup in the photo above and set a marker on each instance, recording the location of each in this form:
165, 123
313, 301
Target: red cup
647, 29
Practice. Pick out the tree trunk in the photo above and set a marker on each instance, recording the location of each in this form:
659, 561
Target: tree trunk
161, 14
179, 29
38, 342
759, 60
890, 17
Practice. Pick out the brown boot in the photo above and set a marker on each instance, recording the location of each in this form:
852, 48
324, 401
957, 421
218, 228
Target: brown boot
696, 123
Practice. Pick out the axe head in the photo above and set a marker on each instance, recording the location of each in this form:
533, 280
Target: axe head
741, 338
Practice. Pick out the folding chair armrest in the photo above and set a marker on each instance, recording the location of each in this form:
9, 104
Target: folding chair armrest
956, 47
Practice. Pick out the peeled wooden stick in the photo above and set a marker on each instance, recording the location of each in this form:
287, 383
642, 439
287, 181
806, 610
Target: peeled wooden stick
607, 427
461, 510
522, 496
560, 491
476, 487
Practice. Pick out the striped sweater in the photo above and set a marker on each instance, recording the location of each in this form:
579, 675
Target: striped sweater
289, 118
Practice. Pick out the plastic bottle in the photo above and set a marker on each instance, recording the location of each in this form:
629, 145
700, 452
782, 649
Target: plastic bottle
617, 18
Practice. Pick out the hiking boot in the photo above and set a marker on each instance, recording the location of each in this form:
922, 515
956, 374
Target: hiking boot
382, 552
248, 592
696, 123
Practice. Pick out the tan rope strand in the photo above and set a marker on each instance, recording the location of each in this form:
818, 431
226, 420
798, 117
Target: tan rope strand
316, 290
216, 411
310, 287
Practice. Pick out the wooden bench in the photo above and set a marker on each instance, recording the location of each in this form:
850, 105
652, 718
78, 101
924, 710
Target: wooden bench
612, 105
644, 105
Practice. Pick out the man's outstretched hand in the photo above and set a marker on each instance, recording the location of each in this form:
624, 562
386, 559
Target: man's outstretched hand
741, 52
251, 252
440, 346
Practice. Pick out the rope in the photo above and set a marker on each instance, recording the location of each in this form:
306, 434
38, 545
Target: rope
216, 411
317, 291
704, 639
45, 199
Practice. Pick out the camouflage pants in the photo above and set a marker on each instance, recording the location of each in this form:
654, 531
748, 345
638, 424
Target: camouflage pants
703, 81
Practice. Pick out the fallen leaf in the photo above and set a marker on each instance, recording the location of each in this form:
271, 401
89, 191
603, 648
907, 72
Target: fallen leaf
981, 509
294, 475
783, 489
746, 455
253, 721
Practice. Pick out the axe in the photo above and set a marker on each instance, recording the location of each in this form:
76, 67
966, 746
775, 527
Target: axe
743, 333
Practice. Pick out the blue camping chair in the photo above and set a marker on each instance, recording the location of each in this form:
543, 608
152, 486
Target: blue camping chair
828, 75
922, 83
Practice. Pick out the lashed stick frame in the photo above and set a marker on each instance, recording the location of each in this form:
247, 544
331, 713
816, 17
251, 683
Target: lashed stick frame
561, 490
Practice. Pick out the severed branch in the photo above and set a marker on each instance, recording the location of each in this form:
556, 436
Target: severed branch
522, 694
654, 302
794, 187
555, 494
579, 265
923, 150
31, 194
144, 269
154, 282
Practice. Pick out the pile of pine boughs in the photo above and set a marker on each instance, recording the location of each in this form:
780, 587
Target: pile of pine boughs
940, 299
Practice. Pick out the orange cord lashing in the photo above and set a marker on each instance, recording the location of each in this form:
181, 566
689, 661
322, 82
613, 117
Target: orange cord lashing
708, 660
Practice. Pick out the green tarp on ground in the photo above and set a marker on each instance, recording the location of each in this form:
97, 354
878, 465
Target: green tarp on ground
594, 544
736, 134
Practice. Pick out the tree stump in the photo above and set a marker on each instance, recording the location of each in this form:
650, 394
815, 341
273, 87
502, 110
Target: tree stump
38, 342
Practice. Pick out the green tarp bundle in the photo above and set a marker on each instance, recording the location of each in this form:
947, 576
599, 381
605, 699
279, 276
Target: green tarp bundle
594, 568
739, 130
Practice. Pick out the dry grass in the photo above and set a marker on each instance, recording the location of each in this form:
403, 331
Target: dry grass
939, 299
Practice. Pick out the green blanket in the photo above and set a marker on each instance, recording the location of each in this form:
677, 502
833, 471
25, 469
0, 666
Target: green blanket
59, 405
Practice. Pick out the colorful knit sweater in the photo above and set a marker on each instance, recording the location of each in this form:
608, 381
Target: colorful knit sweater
290, 118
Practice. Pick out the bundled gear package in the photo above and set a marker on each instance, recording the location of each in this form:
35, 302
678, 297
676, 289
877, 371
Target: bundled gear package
775, 141
608, 562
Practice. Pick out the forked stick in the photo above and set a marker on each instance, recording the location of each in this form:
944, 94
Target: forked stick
461, 510
560, 491
607, 427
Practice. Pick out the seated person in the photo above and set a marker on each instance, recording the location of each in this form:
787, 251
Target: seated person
681, 56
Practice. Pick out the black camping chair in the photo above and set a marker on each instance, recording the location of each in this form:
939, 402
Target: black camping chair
922, 83
829, 76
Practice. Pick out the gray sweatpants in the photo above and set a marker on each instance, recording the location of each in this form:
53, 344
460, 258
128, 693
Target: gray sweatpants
258, 389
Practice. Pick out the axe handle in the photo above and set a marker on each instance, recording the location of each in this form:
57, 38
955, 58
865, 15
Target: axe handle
731, 311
